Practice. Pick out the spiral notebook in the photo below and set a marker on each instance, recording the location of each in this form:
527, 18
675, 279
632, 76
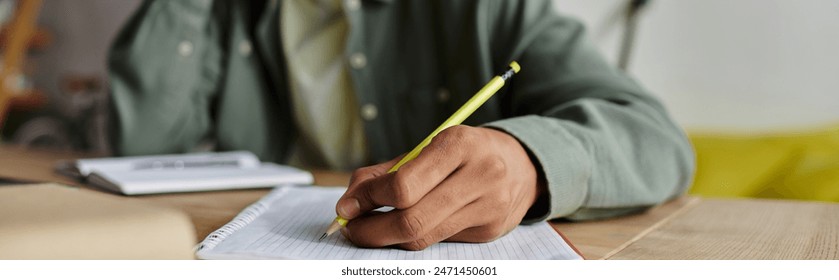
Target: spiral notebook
286, 224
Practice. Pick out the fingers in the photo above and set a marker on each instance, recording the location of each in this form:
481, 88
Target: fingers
477, 222
369, 172
348, 206
452, 229
371, 188
364, 197
464, 221
442, 213
445, 154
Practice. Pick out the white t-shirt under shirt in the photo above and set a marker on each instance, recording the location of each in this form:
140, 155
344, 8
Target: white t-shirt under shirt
314, 34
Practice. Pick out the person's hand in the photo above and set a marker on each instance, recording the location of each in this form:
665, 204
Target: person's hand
470, 184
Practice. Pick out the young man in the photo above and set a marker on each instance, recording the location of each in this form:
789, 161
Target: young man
343, 84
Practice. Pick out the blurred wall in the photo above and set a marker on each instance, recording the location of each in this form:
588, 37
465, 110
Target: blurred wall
743, 65
82, 32
71, 71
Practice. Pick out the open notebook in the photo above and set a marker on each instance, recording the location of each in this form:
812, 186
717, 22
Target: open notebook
286, 224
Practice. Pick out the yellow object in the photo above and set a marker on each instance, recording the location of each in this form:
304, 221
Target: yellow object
341, 221
461, 114
516, 67
782, 165
455, 119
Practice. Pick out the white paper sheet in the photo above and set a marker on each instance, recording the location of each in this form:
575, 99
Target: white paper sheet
287, 223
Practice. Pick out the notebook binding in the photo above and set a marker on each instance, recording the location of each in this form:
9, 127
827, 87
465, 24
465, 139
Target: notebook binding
240, 221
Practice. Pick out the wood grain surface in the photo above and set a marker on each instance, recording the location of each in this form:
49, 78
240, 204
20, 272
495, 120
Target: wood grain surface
603, 238
33, 165
744, 229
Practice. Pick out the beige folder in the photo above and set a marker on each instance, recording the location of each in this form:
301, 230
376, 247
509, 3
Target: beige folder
56, 222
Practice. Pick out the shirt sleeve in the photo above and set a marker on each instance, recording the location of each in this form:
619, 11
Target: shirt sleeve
163, 72
605, 146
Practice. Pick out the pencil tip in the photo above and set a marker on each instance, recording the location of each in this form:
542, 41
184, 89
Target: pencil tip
322, 237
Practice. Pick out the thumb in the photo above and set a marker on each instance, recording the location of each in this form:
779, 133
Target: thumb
359, 197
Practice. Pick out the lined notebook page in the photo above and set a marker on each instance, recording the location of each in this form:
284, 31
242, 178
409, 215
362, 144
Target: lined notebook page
287, 223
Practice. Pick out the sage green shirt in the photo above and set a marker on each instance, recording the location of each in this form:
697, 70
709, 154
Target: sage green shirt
184, 72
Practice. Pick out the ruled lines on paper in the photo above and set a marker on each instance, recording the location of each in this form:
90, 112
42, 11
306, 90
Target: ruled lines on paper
296, 216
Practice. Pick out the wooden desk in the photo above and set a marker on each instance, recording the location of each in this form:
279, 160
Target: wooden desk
743, 229
686, 228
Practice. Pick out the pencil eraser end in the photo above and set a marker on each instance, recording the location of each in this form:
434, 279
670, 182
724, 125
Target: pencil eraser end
515, 66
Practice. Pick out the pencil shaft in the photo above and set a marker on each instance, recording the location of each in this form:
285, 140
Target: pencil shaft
455, 119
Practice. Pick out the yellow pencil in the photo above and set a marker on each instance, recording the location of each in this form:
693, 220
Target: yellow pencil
455, 119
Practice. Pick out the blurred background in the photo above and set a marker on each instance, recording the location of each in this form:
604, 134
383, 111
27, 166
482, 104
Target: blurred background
753, 82
55, 92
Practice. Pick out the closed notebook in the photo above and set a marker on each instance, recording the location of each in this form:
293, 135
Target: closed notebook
287, 223
198, 179
82, 168
183, 173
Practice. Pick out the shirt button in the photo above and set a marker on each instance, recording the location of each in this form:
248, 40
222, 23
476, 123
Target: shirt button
185, 48
443, 95
353, 5
369, 112
358, 60
245, 48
